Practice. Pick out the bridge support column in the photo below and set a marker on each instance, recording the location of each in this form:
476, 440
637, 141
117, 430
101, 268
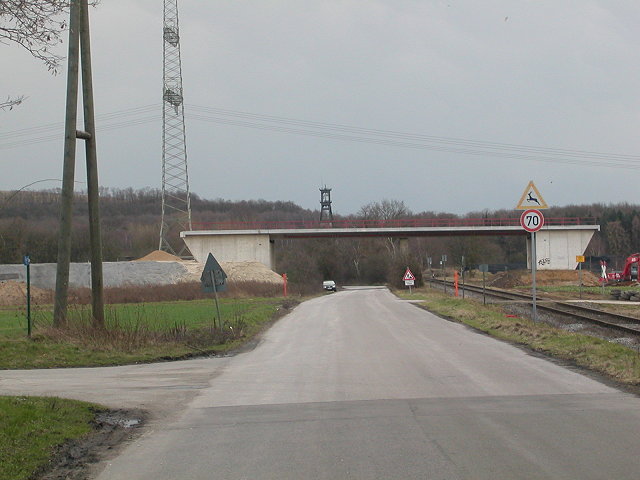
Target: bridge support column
272, 254
232, 247
403, 244
557, 249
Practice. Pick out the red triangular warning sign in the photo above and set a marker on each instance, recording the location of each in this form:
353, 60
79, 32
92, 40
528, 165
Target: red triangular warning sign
408, 275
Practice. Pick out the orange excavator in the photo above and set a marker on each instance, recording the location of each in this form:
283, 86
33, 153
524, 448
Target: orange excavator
629, 273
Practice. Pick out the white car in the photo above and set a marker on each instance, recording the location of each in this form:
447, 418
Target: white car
329, 285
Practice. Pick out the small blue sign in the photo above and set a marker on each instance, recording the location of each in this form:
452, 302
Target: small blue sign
26, 260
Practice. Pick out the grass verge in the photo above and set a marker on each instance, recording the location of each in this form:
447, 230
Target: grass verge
31, 428
135, 333
611, 359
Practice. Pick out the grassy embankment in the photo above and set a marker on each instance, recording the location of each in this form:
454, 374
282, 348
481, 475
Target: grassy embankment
32, 427
611, 359
135, 333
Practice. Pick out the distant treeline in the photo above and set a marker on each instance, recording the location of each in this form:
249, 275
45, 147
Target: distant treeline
131, 218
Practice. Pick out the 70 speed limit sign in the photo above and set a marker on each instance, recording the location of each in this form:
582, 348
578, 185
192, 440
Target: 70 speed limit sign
532, 220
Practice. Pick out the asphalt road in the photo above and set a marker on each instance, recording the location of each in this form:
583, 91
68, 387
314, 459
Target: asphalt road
361, 385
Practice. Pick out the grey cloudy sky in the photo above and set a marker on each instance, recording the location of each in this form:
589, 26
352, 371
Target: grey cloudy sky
557, 75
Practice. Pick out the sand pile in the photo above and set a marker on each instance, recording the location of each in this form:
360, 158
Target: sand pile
15, 293
250, 272
518, 278
238, 272
159, 256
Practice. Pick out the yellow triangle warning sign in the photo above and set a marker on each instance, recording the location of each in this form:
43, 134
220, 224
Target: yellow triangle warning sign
531, 198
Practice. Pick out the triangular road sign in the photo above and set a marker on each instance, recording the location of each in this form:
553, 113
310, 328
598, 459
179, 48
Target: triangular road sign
408, 275
531, 198
213, 274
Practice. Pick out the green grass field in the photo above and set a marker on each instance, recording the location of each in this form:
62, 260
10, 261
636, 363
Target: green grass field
134, 333
31, 428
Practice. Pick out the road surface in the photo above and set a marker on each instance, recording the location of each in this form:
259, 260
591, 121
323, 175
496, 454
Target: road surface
362, 385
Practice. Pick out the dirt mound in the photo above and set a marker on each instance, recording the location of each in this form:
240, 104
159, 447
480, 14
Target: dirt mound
509, 279
250, 272
159, 256
519, 278
15, 293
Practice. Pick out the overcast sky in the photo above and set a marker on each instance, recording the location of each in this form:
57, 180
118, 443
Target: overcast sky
440, 81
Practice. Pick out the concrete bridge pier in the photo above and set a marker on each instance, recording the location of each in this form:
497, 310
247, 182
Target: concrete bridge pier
557, 249
403, 245
232, 247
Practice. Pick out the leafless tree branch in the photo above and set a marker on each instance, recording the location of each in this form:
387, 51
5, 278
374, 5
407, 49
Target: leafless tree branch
10, 102
35, 25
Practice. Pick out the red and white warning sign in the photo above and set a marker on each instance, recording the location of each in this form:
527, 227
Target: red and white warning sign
532, 220
408, 277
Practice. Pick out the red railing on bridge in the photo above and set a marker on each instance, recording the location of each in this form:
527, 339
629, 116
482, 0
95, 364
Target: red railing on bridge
394, 223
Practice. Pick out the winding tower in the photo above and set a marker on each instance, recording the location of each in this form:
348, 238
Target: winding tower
326, 215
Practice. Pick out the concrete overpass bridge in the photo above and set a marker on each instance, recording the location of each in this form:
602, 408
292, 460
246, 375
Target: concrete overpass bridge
557, 243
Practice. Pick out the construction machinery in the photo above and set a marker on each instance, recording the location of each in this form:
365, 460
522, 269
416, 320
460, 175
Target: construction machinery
629, 273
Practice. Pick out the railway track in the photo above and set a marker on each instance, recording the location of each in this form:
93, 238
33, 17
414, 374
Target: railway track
607, 320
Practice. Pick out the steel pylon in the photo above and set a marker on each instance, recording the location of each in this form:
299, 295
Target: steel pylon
176, 203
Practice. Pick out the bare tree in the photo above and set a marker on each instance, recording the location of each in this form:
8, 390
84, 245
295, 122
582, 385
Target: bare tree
618, 239
386, 210
35, 25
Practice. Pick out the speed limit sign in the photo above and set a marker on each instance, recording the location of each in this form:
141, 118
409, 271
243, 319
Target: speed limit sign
532, 220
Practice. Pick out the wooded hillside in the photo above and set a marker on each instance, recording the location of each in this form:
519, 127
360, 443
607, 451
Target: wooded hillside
131, 218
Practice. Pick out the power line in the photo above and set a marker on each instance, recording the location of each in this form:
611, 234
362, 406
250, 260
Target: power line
59, 126
101, 129
339, 132
218, 112
583, 160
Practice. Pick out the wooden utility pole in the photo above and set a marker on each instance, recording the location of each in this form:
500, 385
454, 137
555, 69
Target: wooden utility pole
68, 170
79, 39
97, 298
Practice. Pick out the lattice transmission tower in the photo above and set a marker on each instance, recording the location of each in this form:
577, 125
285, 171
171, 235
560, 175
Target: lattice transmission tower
176, 202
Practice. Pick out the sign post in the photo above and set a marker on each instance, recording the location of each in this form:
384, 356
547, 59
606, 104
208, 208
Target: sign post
532, 221
462, 273
534, 259
580, 259
409, 279
27, 262
443, 262
484, 268
213, 279
215, 294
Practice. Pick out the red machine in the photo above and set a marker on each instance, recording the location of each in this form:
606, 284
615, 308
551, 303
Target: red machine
629, 274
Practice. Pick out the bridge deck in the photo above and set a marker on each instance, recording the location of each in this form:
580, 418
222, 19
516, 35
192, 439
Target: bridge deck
396, 227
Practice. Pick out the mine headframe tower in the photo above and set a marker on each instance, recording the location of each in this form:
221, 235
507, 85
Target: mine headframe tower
176, 202
326, 215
